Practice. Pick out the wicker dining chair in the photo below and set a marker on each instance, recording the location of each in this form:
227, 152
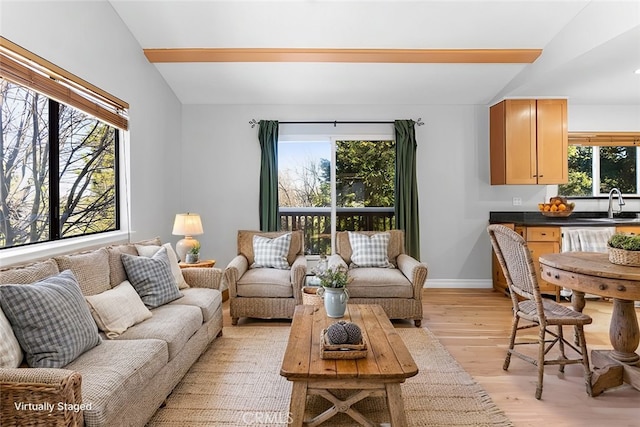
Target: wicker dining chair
516, 262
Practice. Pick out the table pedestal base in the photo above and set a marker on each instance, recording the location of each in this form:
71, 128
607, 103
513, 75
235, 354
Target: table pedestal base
609, 372
361, 390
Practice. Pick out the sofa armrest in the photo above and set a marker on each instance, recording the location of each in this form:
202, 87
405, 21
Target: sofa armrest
22, 389
415, 271
203, 277
298, 277
336, 260
234, 271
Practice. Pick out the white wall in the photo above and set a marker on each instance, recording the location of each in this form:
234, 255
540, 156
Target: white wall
89, 40
222, 156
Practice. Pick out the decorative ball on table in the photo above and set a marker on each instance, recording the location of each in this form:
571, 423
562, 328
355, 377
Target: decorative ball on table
344, 332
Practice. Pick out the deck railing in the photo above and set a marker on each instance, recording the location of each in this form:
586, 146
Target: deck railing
316, 223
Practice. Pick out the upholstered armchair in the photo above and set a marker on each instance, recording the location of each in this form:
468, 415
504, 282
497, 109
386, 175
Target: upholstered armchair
266, 292
397, 287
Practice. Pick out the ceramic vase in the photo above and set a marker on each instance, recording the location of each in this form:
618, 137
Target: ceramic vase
335, 300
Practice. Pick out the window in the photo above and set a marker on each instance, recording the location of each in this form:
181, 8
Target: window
59, 147
336, 185
594, 170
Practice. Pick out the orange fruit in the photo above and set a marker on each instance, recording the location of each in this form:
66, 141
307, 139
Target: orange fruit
562, 207
547, 207
554, 208
541, 206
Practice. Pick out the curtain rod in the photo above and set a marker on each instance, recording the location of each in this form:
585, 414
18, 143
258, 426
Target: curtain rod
254, 122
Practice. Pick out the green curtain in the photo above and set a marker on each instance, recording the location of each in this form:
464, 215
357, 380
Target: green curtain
406, 186
268, 137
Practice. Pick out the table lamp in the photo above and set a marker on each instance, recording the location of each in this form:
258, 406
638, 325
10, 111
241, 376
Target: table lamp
187, 225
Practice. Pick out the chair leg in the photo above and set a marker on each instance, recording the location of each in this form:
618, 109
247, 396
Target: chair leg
561, 346
234, 320
417, 322
541, 339
585, 359
512, 341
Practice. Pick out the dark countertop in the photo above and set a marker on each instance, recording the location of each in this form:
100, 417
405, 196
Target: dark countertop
576, 219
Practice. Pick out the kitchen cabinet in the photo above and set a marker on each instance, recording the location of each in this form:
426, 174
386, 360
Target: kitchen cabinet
528, 141
629, 229
540, 240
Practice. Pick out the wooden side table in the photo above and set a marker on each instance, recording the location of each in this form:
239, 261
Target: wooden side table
209, 263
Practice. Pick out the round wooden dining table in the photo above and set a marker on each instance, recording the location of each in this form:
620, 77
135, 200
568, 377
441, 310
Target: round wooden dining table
593, 273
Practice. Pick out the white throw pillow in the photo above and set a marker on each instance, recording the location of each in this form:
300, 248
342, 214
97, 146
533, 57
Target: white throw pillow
10, 351
271, 252
370, 251
151, 250
117, 309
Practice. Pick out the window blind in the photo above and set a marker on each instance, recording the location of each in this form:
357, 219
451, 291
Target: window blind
605, 139
22, 67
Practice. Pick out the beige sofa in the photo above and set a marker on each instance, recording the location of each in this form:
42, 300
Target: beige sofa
398, 290
121, 381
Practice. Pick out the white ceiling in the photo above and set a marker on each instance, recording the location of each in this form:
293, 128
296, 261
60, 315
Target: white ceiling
590, 49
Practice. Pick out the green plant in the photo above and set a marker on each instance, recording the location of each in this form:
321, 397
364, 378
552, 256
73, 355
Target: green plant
334, 277
195, 250
629, 242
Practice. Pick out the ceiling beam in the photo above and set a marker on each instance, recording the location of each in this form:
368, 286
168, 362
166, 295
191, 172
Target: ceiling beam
399, 56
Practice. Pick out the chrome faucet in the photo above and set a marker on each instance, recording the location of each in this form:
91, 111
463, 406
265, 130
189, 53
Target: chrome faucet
620, 201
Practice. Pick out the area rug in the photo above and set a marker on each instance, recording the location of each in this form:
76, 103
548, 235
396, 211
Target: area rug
237, 382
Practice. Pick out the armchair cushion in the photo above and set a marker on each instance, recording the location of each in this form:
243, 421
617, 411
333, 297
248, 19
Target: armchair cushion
369, 251
265, 283
378, 283
271, 252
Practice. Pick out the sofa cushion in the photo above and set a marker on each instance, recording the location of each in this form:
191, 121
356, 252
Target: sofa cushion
152, 278
265, 283
379, 283
117, 309
176, 271
271, 253
369, 251
10, 351
114, 374
173, 324
90, 268
117, 273
28, 273
51, 320
208, 300
395, 248
245, 243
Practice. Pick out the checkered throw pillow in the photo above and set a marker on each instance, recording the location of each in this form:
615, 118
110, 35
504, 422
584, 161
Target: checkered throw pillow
271, 252
152, 278
51, 320
10, 351
369, 251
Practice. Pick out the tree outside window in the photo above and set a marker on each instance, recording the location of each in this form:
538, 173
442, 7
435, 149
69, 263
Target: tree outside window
58, 173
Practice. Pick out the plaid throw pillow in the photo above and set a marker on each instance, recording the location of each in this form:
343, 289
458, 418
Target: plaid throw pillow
271, 252
369, 251
10, 351
152, 278
50, 319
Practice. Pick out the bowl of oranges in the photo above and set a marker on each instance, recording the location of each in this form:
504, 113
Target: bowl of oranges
557, 207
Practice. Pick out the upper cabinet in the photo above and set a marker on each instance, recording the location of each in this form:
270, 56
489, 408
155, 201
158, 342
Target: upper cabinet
528, 141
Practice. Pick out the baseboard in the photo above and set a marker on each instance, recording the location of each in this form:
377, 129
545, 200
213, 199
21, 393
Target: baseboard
459, 283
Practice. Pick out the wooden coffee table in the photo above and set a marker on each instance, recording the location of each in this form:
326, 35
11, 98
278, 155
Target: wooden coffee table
387, 365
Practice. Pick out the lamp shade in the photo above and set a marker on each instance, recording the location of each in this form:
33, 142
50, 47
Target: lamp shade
187, 224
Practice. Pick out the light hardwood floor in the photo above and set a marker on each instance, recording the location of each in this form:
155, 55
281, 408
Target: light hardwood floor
474, 325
